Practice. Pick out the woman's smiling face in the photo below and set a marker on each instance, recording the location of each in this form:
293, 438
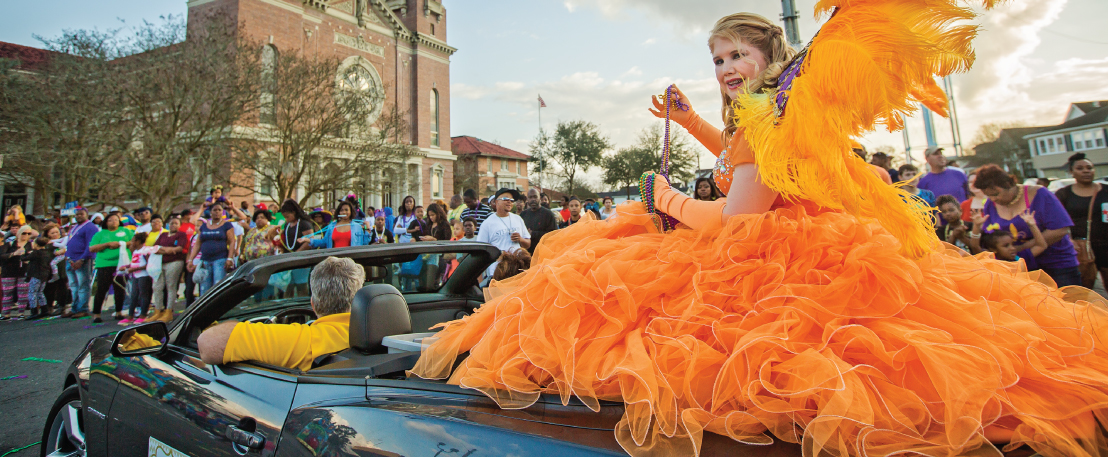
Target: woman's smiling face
735, 65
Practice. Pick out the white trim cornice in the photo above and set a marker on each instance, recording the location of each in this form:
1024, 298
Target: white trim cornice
439, 154
430, 41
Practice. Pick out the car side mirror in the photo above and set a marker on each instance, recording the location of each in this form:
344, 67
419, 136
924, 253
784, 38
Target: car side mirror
375, 272
142, 339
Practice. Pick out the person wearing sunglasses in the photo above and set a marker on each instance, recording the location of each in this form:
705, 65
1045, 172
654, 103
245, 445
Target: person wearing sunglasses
503, 229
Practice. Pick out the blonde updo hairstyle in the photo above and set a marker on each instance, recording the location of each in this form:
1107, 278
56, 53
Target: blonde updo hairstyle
759, 32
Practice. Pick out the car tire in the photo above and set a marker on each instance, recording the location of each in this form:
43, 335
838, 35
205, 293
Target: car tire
64, 434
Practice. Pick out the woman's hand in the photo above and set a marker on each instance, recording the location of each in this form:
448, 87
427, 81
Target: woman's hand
113, 245
191, 267
677, 115
427, 238
229, 265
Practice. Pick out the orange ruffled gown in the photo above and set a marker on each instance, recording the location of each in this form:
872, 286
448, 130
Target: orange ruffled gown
838, 326
804, 323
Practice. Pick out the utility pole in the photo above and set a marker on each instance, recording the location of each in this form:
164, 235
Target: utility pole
791, 18
955, 124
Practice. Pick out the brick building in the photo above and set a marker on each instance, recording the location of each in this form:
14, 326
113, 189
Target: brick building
395, 47
486, 167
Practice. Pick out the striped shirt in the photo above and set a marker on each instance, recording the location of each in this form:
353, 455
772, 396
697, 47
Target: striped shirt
480, 213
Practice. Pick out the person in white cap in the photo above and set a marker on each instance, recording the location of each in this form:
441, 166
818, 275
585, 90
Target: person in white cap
503, 229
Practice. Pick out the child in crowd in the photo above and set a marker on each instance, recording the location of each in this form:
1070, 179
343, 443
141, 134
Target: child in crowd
1000, 242
37, 268
469, 229
907, 177
141, 283
954, 232
458, 230
380, 234
420, 226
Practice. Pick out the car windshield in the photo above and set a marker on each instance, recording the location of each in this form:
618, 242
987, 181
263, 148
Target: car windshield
292, 288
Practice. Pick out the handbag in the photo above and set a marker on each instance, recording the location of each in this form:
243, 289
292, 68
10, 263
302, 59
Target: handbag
200, 274
154, 266
412, 268
1085, 253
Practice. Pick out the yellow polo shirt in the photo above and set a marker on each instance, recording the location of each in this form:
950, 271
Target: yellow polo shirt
288, 345
152, 236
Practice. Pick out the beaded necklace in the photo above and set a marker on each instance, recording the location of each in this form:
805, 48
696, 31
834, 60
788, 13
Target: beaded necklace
646, 181
286, 240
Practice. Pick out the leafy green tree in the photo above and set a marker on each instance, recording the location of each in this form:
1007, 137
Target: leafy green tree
624, 167
575, 147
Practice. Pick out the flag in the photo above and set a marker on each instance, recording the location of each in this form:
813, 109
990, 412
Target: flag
542, 104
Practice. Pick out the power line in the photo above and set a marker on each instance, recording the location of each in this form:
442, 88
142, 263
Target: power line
1075, 38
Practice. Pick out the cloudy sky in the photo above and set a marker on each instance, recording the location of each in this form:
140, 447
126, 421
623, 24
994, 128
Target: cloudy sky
600, 60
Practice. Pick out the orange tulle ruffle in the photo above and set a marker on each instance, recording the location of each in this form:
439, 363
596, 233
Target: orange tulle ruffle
804, 324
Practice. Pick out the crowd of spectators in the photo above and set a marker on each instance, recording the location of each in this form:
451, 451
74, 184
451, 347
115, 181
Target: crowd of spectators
135, 264
143, 260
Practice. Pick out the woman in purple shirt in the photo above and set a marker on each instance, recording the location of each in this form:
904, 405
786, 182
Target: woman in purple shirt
1007, 201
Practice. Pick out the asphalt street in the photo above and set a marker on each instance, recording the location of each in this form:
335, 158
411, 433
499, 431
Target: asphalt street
25, 402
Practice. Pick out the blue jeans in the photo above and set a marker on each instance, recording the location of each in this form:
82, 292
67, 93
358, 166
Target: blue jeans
1064, 276
217, 271
80, 285
141, 294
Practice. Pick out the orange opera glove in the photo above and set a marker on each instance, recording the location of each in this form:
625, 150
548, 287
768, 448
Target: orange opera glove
696, 214
704, 132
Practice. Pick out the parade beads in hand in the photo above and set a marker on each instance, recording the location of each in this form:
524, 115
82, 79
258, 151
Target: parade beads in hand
646, 181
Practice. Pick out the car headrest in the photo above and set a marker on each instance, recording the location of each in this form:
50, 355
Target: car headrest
379, 310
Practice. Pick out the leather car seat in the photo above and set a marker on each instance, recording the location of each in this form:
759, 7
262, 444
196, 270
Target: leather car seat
378, 310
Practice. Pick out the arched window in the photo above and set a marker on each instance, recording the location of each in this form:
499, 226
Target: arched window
358, 78
434, 118
269, 84
437, 181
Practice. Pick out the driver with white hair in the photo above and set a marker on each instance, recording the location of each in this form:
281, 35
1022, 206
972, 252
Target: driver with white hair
334, 281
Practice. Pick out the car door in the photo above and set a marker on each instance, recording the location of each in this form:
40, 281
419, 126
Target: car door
176, 401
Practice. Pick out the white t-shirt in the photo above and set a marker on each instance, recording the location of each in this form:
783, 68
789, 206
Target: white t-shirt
498, 231
144, 228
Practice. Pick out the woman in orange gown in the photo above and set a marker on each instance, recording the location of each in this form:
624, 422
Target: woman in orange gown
813, 303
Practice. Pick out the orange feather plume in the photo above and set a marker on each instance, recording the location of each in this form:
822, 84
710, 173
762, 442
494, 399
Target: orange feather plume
872, 64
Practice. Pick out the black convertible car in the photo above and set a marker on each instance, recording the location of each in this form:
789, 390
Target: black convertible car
159, 399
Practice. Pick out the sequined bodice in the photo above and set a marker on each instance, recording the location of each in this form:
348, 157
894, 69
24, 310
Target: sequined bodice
722, 172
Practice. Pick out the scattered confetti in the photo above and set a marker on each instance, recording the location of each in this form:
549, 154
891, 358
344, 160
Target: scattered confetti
92, 326
9, 378
39, 359
83, 318
13, 451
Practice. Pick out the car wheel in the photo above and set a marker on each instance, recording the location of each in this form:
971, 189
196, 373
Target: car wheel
65, 433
